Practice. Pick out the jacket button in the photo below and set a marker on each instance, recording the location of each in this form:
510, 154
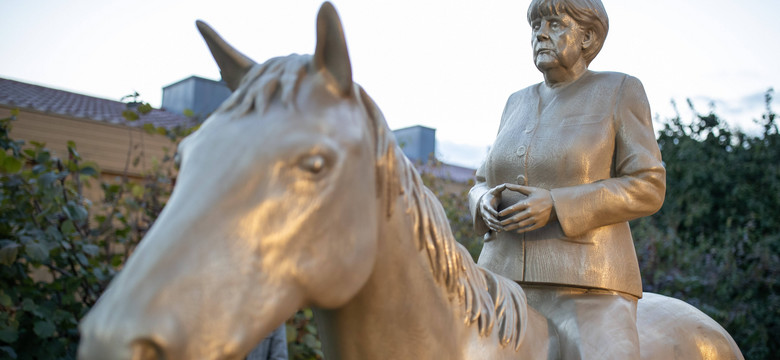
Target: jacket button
521, 180
521, 151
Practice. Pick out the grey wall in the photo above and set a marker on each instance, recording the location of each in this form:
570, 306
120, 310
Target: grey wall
418, 142
203, 96
200, 95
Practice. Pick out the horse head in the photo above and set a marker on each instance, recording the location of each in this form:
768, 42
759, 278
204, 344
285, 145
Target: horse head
275, 203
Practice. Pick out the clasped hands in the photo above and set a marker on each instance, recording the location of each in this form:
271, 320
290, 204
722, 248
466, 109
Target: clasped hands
530, 213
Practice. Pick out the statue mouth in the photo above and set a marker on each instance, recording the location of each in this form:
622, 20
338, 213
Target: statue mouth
541, 51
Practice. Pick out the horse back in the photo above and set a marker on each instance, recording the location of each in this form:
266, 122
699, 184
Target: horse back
672, 329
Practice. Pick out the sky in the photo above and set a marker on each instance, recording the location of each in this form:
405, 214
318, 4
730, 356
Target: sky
449, 65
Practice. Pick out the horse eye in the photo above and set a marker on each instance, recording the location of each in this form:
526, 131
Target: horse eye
313, 164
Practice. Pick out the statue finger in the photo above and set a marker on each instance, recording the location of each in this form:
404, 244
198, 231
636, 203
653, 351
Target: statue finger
497, 190
496, 229
525, 190
531, 227
489, 210
521, 226
493, 224
491, 221
514, 208
517, 228
516, 218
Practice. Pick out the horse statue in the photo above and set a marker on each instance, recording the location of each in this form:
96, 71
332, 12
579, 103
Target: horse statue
294, 193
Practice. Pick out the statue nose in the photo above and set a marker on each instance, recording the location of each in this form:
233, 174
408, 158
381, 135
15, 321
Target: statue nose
93, 349
146, 350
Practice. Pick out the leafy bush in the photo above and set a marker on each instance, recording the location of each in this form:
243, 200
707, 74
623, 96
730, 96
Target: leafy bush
716, 241
303, 342
58, 250
714, 244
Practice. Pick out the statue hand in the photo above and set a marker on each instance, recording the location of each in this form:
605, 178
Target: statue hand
488, 206
531, 213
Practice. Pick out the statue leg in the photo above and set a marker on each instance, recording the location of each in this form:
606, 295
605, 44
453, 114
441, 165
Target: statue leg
591, 323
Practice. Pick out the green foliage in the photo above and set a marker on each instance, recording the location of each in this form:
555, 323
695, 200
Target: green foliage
454, 198
715, 242
58, 250
303, 342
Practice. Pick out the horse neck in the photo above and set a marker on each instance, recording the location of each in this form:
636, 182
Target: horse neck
403, 312
402, 302
424, 294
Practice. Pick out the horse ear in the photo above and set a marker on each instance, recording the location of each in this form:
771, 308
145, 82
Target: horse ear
233, 65
331, 52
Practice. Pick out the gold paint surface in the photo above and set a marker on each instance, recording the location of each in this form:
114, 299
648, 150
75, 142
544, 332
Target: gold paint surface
595, 151
294, 193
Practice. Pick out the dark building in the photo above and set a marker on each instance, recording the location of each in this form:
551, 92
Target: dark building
203, 96
98, 127
418, 142
196, 94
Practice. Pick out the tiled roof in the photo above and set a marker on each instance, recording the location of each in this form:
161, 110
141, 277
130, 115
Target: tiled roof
33, 97
448, 171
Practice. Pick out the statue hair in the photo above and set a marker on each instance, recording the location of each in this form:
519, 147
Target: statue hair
589, 14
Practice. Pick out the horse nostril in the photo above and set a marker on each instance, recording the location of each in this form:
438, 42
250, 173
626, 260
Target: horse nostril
147, 349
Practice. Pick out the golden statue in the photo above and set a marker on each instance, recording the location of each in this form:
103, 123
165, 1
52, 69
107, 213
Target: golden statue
575, 159
294, 193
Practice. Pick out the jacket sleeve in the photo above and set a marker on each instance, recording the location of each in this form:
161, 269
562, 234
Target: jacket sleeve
475, 195
481, 186
638, 183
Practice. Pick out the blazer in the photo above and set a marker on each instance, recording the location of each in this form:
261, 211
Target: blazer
594, 148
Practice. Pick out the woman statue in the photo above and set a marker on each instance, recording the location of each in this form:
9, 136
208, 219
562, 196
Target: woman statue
574, 160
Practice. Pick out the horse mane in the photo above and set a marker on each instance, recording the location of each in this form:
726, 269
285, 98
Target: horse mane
488, 299
274, 81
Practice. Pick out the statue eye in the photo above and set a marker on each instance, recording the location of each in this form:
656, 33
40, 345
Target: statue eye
314, 164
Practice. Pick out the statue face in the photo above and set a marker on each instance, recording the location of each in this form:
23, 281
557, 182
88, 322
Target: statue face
557, 42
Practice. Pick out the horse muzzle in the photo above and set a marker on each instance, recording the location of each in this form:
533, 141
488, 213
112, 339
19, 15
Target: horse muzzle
92, 348
108, 335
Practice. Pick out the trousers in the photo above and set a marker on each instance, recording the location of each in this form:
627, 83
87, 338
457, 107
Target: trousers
591, 323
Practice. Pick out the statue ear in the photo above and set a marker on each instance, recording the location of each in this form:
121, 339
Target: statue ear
233, 65
331, 54
589, 38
